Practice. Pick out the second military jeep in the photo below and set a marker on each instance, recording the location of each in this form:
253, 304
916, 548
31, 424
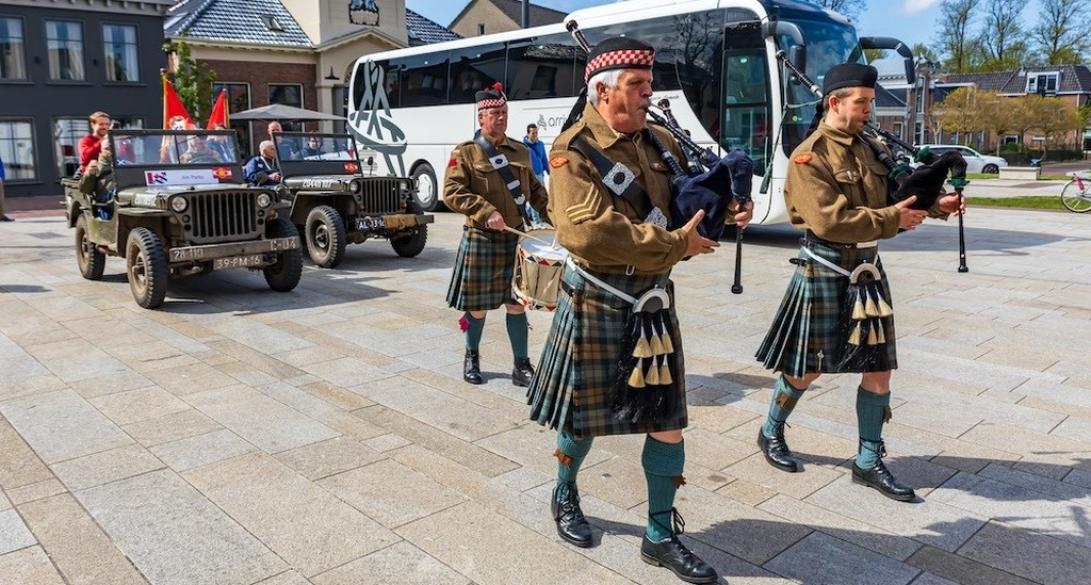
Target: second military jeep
177, 205
334, 203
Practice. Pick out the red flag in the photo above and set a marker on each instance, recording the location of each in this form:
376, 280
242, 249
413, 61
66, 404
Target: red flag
175, 116
219, 111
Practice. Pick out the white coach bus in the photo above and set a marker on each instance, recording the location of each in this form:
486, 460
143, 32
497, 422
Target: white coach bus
715, 61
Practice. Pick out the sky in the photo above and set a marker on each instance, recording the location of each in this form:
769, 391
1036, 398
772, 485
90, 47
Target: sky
912, 21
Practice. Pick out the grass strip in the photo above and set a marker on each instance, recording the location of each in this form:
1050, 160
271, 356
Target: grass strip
1036, 202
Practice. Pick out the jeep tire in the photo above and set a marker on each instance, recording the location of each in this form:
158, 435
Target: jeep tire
283, 275
90, 260
146, 267
325, 236
411, 245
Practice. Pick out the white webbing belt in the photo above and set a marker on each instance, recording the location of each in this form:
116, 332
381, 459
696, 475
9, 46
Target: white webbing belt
599, 283
825, 262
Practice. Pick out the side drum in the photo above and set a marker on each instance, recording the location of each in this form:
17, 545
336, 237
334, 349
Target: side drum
539, 262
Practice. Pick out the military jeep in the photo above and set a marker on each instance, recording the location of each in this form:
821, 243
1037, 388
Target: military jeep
178, 206
334, 203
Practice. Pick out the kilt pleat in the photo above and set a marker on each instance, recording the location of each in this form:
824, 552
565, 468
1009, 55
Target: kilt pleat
482, 275
574, 385
810, 330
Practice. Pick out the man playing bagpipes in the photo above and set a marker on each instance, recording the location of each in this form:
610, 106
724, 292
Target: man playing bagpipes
489, 180
613, 361
837, 315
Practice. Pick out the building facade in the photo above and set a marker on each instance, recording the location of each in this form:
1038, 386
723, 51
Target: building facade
60, 61
485, 17
292, 52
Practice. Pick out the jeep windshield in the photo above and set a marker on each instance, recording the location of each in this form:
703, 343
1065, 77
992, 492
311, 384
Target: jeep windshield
174, 147
311, 153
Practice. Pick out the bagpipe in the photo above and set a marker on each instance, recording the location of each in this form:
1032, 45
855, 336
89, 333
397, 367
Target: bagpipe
925, 181
705, 182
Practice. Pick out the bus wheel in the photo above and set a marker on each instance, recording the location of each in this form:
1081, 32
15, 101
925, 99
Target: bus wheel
427, 186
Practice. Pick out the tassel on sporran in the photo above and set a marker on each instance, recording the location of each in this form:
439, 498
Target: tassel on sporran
865, 319
647, 371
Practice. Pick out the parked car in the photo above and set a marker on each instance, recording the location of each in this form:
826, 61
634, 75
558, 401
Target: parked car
975, 161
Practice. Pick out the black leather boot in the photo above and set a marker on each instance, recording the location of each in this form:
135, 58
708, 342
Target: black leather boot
572, 526
880, 478
522, 373
471, 367
776, 450
674, 555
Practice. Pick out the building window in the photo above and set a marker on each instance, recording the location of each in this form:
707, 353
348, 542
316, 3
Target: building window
238, 100
119, 44
340, 107
288, 94
17, 150
67, 133
12, 62
1043, 83
480, 29
64, 40
898, 130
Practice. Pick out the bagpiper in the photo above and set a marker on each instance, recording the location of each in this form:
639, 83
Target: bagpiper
489, 180
613, 361
837, 314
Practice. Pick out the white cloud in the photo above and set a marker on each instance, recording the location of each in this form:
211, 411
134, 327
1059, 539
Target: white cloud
915, 6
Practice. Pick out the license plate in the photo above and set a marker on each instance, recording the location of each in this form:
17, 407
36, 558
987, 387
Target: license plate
238, 261
370, 223
281, 244
182, 254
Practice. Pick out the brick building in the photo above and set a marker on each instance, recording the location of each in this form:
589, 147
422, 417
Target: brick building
293, 52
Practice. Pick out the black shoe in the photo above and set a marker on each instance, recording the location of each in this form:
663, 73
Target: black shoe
572, 526
6, 218
776, 450
471, 367
522, 373
880, 478
674, 555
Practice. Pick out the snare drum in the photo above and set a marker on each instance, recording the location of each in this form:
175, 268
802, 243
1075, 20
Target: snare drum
539, 262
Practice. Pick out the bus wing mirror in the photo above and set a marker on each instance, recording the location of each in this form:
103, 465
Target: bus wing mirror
895, 45
797, 53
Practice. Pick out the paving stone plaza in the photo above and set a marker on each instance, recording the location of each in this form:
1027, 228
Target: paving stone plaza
239, 436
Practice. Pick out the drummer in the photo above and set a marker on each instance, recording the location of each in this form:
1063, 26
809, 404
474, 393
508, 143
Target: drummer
489, 180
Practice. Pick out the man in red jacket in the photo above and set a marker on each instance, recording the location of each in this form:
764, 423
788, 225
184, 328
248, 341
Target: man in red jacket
91, 144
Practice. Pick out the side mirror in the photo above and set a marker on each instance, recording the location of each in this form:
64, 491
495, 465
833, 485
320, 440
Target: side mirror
797, 53
895, 45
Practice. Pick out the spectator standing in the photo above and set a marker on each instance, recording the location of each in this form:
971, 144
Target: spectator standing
3, 215
538, 161
91, 144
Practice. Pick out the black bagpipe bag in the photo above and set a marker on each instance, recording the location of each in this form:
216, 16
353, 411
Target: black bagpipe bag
926, 181
713, 191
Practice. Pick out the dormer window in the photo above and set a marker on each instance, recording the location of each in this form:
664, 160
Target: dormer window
1044, 83
271, 23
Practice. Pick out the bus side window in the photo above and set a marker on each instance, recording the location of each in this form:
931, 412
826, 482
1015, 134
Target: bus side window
422, 80
360, 82
543, 67
473, 69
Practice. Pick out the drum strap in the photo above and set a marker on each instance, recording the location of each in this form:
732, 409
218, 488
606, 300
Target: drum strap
620, 180
500, 163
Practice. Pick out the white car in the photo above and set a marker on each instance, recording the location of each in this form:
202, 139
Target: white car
975, 161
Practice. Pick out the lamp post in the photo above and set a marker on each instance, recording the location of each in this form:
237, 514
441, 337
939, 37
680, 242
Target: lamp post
926, 69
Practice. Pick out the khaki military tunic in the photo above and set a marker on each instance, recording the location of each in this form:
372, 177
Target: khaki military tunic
837, 189
602, 231
475, 189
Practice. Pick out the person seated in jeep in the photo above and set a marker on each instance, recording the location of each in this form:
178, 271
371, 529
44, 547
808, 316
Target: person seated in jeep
313, 148
198, 152
98, 181
263, 169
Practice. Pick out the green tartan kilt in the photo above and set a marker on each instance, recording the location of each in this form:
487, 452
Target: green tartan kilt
811, 329
574, 385
483, 271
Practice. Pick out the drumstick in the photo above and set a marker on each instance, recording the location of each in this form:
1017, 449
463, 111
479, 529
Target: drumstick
530, 237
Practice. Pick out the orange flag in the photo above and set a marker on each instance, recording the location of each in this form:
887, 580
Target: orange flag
175, 116
219, 112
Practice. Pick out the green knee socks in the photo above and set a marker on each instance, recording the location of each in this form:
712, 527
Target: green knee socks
474, 328
783, 402
517, 333
871, 413
570, 455
663, 464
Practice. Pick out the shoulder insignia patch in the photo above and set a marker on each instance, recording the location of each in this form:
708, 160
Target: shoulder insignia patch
452, 163
803, 158
558, 162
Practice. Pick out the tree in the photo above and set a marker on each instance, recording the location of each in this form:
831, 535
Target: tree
923, 52
850, 8
192, 80
1002, 39
959, 112
874, 55
1061, 33
959, 47
995, 114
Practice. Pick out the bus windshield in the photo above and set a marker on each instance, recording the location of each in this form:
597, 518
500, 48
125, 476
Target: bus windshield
828, 43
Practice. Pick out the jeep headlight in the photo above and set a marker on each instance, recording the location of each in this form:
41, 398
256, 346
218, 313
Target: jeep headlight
264, 200
357, 186
178, 204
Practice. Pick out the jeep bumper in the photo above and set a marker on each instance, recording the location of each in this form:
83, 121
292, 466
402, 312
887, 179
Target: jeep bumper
213, 251
392, 223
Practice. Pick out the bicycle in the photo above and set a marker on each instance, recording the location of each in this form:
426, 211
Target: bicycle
1076, 195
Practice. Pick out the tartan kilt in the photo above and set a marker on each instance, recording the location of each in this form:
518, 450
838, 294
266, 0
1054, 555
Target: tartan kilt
484, 266
811, 329
573, 388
